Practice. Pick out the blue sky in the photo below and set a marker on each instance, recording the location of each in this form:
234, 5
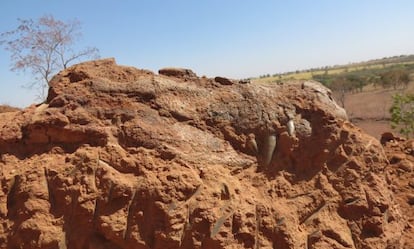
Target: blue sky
237, 39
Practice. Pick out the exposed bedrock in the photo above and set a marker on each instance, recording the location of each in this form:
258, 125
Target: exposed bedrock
119, 157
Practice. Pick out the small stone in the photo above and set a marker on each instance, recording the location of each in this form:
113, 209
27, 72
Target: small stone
223, 81
244, 81
405, 165
387, 137
177, 72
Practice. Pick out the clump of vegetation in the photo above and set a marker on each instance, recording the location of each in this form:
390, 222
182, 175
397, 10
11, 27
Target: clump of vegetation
397, 77
402, 114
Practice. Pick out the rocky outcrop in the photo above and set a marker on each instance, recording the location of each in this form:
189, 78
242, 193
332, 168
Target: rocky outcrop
119, 157
178, 72
223, 80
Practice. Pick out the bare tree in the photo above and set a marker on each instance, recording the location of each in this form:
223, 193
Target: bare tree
43, 47
340, 88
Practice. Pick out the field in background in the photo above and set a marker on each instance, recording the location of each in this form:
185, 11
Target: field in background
369, 106
334, 70
369, 109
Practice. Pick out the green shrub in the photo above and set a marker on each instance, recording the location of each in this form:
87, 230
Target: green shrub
402, 114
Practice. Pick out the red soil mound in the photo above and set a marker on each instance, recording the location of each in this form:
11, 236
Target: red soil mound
123, 158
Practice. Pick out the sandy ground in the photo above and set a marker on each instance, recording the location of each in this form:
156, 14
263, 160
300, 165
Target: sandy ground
370, 108
373, 127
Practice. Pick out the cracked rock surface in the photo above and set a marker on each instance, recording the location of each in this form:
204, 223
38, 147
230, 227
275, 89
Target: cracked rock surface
119, 157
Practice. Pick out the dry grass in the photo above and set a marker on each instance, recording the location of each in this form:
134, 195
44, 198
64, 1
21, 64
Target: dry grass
306, 75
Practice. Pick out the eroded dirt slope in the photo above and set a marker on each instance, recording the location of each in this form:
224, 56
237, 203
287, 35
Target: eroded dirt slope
123, 158
400, 176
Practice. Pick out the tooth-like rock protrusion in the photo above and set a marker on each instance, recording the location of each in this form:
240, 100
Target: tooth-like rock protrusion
291, 127
267, 150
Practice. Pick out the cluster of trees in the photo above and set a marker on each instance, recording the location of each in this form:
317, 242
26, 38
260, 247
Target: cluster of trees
351, 82
264, 76
395, 77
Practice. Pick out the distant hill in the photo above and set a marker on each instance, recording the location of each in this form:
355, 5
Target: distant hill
382, 63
